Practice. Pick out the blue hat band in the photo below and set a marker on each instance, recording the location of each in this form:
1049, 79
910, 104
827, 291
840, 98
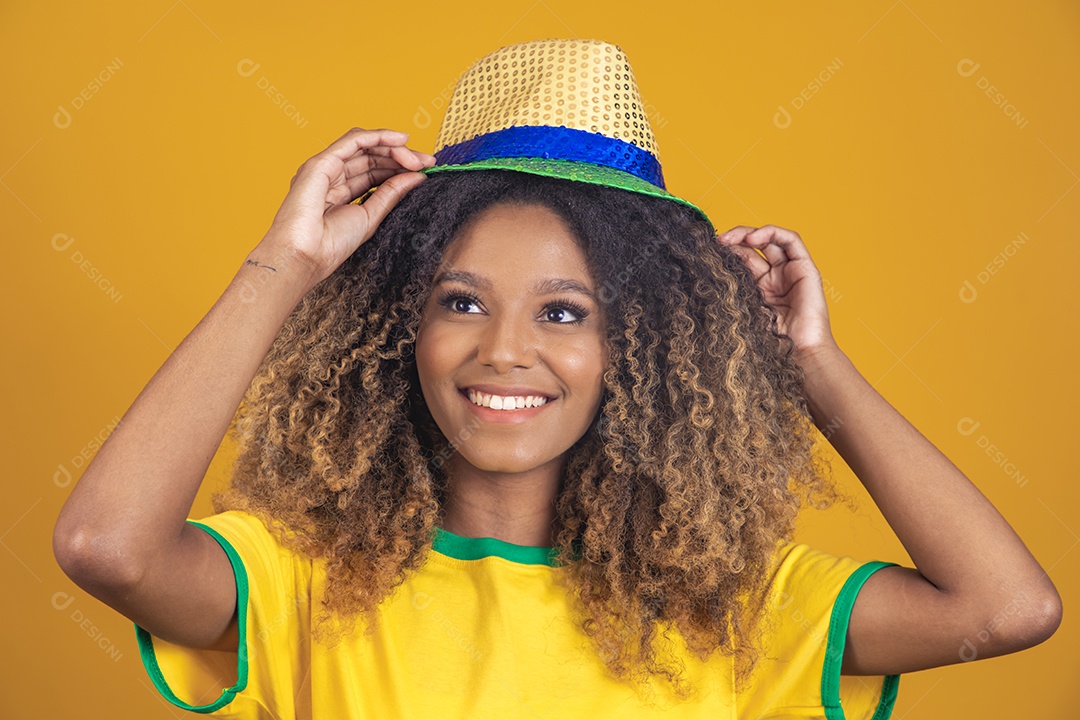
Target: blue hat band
556, 143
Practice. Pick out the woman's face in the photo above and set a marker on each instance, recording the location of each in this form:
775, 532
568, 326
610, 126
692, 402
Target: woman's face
512, 313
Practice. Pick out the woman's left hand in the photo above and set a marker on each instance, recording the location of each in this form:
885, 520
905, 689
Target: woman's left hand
789, 281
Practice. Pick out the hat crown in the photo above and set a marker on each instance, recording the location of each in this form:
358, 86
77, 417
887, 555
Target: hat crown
585, 85
567, 109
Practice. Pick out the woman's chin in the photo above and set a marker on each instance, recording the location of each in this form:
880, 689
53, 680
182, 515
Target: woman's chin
504, 463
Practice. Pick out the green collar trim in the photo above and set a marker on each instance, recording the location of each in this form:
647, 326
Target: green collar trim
467, 548
834, 649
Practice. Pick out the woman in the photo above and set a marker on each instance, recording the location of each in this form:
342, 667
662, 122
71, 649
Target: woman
621, 545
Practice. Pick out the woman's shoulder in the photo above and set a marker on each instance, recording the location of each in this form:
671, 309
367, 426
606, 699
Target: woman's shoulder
810, 572
810, 594
238, 523
259, 546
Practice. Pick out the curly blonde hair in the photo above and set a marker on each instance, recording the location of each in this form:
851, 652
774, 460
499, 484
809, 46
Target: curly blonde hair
672, 505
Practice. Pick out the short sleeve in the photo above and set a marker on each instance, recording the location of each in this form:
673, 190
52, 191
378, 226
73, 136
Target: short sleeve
260, 680
810, 601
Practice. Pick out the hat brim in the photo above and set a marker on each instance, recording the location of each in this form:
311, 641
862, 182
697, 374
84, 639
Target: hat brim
573, 170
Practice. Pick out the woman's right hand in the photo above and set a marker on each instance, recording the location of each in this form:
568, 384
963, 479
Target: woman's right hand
316, 220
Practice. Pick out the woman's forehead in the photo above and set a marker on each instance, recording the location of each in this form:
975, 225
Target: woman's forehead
517, 243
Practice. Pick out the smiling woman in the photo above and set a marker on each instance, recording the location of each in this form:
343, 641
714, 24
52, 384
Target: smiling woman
519, 337
669, 462
543, 484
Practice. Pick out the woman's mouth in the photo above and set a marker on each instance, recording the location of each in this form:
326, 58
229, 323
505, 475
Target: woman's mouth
499, 408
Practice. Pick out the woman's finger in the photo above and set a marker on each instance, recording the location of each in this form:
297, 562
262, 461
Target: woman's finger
771, 236
356, 185
357, 148
359, 139
411, 159
351, 219
394, 155
363, 164
735, 234
386, 158
758, 265
751, 237
734, 238
779, 245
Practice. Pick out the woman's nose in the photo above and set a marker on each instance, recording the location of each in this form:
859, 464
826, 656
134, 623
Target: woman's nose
507, 341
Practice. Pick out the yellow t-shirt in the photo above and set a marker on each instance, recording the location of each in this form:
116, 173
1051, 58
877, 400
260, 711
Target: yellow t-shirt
482, 630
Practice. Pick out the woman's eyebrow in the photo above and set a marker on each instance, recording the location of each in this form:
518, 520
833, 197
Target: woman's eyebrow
544, 287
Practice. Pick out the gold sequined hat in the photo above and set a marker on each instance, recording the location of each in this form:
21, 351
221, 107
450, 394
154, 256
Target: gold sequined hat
568, 109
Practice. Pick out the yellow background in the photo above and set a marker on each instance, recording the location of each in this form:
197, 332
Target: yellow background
943, 220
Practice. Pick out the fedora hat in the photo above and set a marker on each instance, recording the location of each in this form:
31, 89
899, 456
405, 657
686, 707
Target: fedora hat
567, 109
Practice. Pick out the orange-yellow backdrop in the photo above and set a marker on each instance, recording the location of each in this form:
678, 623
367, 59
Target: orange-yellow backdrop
928, 155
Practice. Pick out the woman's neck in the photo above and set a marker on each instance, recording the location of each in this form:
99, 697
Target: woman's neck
515, 508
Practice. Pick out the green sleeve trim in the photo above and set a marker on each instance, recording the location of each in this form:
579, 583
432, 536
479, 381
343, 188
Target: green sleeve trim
834, 649
146, 643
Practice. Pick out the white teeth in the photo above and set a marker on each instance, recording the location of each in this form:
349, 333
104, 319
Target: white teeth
499, 402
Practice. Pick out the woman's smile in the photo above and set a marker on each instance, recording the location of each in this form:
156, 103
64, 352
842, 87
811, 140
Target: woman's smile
505, 409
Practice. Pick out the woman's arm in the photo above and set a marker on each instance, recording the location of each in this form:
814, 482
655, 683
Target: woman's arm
122, 534
976, 591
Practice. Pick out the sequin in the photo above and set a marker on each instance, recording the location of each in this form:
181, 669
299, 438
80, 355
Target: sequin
561, 143
562, 108
513, 101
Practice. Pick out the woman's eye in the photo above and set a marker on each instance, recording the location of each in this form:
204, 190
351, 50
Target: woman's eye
458, 303
557, 313
461, 304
